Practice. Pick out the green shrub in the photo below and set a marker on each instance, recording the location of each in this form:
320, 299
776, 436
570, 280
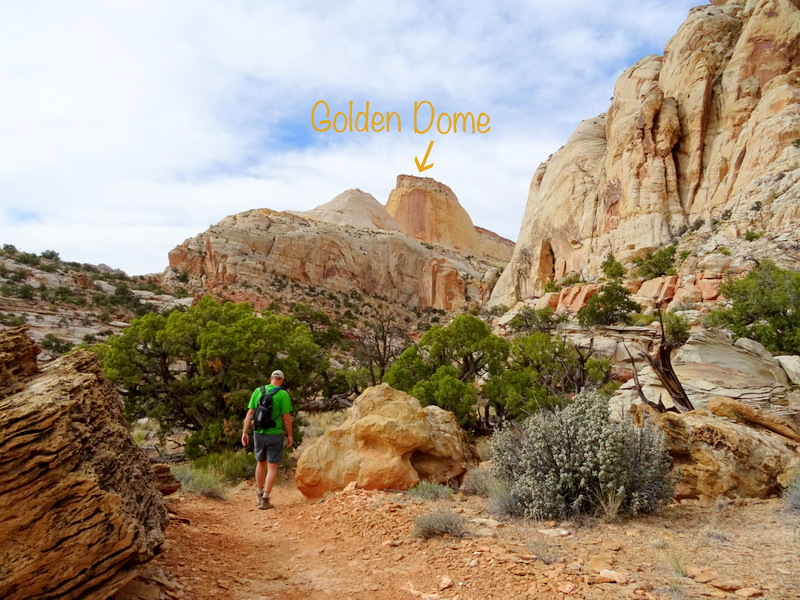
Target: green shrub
697, 224
428, 490
55, 344
763, 308
536, 319
569, 461
439, 523
655, 264
228, 466
676, 328
51, 255
611, 305
752, 236
612, 268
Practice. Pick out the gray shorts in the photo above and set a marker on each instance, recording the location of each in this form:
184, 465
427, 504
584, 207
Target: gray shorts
268, 447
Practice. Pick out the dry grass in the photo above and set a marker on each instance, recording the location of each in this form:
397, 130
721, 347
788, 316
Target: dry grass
439, 523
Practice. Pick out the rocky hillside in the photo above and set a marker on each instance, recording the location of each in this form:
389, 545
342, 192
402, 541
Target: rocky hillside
428, 255
68, 303
704, 139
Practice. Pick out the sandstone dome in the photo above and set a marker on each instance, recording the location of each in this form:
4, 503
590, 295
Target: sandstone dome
354, 208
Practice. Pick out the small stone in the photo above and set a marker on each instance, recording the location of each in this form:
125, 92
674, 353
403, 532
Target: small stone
693, 572
633, 533
729, 585
614, 576
748, 592
473, 562
445, 582
566, 587
554, 532
612, 545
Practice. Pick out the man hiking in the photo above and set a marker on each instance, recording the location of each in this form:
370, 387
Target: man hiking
268, 438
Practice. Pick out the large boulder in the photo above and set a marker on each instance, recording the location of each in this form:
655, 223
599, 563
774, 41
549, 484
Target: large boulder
715, 456
79, 511
388, 442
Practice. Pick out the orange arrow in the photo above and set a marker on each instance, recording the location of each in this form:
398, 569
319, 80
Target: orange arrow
422, 166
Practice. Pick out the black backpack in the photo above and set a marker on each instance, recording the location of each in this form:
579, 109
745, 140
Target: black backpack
263, 417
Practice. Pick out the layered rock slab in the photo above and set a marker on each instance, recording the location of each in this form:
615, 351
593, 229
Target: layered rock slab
79, 511
388, 442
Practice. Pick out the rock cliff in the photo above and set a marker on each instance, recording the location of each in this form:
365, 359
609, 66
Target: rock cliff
706, 130
79, 511
351, 242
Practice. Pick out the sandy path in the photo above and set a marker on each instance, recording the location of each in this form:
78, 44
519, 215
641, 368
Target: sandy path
359, 545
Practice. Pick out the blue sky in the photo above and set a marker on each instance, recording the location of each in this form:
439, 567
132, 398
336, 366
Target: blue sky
129, 126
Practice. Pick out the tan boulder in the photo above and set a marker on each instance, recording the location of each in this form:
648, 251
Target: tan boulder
709, 289
709, 127
714, 457
657, 292
791, 366
80, 510
388, 442
548, 300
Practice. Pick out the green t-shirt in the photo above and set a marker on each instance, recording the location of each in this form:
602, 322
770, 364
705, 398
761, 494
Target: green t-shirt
281, 405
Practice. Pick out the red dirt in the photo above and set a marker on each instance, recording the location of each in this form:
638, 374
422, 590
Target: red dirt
360, 545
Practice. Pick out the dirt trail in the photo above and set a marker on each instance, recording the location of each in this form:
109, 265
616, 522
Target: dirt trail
360, 545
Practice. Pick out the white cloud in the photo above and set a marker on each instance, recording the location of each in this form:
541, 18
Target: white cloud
126, 127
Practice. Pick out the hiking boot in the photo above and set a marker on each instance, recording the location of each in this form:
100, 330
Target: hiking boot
265, 503
259, 497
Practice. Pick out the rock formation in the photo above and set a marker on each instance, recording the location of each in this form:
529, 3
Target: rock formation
353, 208
711, 365
743, 438
715, 456
351, 242
79, 511
387, 442
429, 211
706, 130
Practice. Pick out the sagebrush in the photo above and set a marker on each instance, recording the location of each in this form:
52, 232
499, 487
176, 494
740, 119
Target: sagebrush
791, 495
439, 523
571, 460
428, 490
